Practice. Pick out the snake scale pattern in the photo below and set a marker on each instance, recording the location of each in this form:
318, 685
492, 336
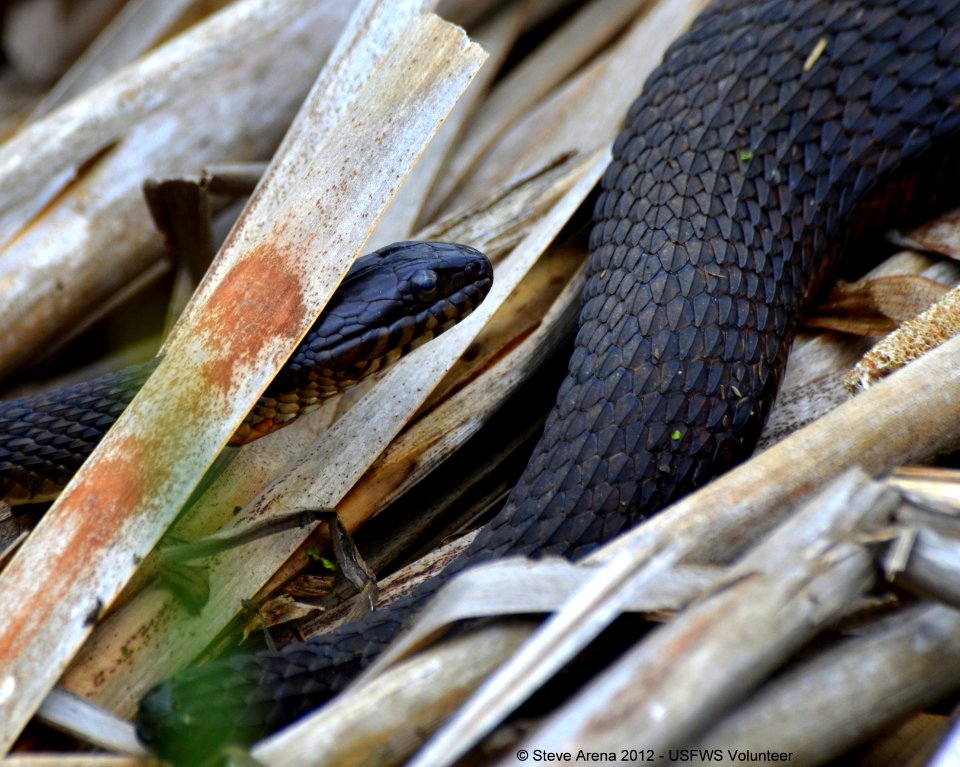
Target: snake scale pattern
774, 135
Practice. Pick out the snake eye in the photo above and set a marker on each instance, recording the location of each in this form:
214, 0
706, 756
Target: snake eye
424, 284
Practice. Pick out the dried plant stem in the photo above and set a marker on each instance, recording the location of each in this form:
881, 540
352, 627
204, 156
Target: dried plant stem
913, 338
789, 587
73, 224
824, 706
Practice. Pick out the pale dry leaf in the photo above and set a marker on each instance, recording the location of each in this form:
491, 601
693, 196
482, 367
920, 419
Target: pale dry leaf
872, 307
912, 339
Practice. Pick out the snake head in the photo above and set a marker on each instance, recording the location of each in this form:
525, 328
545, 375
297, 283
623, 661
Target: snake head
390, 302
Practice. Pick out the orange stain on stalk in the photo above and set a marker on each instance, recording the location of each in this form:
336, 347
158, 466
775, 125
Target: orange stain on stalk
263, 295
122, 473
261, 290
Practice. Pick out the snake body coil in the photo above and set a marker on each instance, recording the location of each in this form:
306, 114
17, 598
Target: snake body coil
774, 134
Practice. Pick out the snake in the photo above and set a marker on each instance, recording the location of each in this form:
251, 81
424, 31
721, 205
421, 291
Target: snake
389, 302
774, 136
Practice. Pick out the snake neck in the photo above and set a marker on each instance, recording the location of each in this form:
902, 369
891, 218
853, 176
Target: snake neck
45, 438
